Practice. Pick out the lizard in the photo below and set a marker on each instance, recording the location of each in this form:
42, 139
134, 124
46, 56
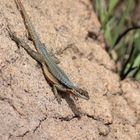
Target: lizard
53, 73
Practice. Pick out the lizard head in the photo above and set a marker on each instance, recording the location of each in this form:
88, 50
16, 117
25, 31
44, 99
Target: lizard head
81, 93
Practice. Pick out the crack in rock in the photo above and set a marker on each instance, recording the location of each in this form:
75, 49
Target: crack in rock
98, 119
67, 118
39, 124
24, 134
9, 101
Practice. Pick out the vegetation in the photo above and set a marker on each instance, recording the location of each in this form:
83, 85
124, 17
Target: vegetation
121, 35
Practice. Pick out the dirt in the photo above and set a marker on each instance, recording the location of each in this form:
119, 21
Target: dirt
28, 109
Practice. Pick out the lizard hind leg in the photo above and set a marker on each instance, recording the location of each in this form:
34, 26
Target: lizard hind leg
55, 59
20, 42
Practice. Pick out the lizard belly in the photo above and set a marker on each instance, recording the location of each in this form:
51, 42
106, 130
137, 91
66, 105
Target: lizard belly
51, 79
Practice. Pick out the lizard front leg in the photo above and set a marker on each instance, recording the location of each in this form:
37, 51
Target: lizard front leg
56, 94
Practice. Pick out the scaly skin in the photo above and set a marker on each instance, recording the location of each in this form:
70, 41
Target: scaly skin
48, 64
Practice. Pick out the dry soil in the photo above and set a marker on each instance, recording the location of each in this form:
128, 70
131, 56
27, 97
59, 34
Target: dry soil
28, 109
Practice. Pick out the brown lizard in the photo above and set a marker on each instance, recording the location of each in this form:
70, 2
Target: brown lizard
54, 75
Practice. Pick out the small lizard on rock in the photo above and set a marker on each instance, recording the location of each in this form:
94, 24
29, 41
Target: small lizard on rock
53, 73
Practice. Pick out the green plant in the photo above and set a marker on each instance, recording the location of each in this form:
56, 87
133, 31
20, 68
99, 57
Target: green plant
126, 43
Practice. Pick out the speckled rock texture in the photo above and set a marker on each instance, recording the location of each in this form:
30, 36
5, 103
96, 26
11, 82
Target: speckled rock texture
28, 109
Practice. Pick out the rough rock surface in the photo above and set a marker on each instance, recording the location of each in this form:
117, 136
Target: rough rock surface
28, 110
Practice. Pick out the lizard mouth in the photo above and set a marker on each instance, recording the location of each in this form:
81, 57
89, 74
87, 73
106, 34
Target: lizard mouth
81, 94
